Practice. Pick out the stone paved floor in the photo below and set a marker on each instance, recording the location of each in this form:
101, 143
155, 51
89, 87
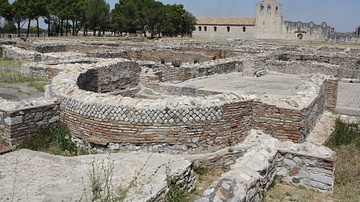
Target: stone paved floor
348, 100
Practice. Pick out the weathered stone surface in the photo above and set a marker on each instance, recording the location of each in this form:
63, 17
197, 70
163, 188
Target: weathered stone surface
34, 176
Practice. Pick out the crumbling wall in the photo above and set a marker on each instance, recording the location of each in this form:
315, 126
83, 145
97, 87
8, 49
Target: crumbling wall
306, 170
49, 69
21, 54
304, 165
19, 119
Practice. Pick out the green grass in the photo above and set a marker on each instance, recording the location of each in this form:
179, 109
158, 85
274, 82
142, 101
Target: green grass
101, 183
17, 78
175, 194
345, 140
53, 139
283, 57
9, 63
38, 85
344, 134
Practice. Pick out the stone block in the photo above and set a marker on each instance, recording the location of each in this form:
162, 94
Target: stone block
13, 120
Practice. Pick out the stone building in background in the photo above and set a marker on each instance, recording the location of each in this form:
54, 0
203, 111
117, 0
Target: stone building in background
267, 24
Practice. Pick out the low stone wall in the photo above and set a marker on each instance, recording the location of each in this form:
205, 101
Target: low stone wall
49, 69
291, 123
304, 169
186, 72
294, 67
167, 54
51, 48
19, 119
251, 176
16, 53
34, 56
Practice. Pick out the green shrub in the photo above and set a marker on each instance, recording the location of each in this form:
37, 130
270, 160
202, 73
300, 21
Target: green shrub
39, 86
283, 57
344, 134
53, 139
9, 63
175, 194
200, 170
358, 62
101, 183
15, 77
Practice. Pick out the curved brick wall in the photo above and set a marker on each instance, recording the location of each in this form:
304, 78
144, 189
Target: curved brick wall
180, 124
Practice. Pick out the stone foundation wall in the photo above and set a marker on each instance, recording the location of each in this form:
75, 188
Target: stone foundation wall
34, 56
304, 165
21, 54
306, 171
19, 119
183, 54
289, 124
187, 72
296, 67
49, 69
51, 48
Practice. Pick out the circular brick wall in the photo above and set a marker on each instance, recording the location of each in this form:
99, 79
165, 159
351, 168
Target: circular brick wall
177, 125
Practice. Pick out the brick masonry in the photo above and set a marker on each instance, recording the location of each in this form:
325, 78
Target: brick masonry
18, 123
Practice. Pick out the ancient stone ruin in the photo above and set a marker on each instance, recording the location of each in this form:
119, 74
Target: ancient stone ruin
129, 96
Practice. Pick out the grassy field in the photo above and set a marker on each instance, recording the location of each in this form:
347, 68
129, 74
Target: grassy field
10, 74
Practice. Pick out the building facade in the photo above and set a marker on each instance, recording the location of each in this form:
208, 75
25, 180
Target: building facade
267, 24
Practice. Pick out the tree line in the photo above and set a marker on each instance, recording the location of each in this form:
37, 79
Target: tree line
94, 17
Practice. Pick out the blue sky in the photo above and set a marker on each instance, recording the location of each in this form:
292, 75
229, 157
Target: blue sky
344, 15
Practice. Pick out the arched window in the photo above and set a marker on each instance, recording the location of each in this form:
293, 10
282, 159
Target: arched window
276, 9
199, 28
261, 8
205, 28
215, 29
228, 29
244, 29
269, 8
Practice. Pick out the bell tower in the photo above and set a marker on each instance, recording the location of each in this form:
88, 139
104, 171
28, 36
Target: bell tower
269, 19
